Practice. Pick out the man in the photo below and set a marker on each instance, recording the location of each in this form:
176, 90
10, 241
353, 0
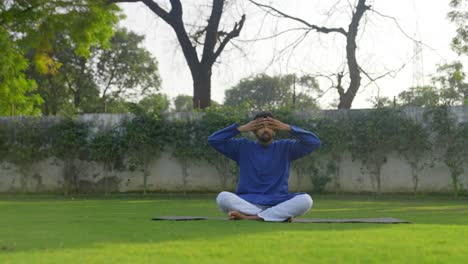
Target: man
262, 192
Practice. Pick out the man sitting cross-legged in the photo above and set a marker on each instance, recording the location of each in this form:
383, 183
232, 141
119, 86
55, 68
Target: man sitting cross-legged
262, 191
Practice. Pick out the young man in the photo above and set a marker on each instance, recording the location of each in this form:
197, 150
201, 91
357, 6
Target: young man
262, 192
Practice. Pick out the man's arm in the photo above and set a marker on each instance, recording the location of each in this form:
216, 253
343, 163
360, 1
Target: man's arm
222, 140
306, 143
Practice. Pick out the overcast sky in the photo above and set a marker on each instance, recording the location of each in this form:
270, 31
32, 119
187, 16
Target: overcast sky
382, 46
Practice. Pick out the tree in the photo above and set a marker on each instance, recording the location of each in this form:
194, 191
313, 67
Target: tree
267, 93
104, 82
155, 103
34, 25
72, 88
423, 96
215, 40
126, 69
448, 88
15, 87
458, 15
183, 103
346, 97
450, 80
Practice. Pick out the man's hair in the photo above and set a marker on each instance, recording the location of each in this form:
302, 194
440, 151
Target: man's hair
263, 114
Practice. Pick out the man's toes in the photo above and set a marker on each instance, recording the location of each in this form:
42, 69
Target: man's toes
233, 215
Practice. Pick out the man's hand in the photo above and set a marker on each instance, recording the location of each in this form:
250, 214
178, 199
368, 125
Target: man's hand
275, 124
264, 122
252, 125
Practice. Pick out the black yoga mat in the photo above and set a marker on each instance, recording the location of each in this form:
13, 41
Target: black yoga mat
380, 220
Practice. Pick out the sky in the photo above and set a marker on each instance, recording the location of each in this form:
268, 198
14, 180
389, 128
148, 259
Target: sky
386, 46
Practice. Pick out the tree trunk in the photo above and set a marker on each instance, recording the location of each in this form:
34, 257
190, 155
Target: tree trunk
185, 173
202, 88
346, 99
145, 176
214, 43
414, 174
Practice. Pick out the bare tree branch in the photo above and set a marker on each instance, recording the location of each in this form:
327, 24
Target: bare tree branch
315, 27
339, 87
234, 33
406, 34
273, 36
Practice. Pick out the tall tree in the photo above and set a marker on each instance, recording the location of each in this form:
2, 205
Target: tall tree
346, 97
126, 69
34, 25
215, 40
15, 87
101, 83
263, 92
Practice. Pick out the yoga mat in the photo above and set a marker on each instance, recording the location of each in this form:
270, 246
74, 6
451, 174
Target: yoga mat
380, 220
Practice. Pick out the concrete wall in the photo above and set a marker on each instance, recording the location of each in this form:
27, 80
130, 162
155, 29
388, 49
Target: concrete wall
167, 173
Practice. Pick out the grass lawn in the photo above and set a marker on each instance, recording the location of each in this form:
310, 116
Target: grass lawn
55, 229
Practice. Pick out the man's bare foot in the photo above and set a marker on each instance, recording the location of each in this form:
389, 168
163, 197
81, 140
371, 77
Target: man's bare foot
236, 215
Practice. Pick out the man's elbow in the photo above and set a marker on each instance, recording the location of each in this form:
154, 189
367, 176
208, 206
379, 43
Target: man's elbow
317, 144
212, 141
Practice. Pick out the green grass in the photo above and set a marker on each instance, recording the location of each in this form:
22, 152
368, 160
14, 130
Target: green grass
54, 229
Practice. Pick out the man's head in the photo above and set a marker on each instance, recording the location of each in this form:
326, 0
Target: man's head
264, 134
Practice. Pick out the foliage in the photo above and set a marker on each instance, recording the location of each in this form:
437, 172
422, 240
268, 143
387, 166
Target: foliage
458, 16
449, 143
33, 27
267, 93
144, 140
26, 144
374, 136
452, 85
69, 142
183, 103
449, 88
104, 82
370, 136
414, 145
335, 136
15, 87
423, 96
3, 142
126, 70
72, 88
108, 147
185, 144
155, 103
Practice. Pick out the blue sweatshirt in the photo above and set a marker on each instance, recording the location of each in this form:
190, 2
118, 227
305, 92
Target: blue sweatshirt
264, 170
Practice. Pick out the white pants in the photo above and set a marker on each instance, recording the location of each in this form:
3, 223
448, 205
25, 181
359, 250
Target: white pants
293, 207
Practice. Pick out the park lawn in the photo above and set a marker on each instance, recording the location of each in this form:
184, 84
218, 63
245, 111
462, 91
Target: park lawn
118, 229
